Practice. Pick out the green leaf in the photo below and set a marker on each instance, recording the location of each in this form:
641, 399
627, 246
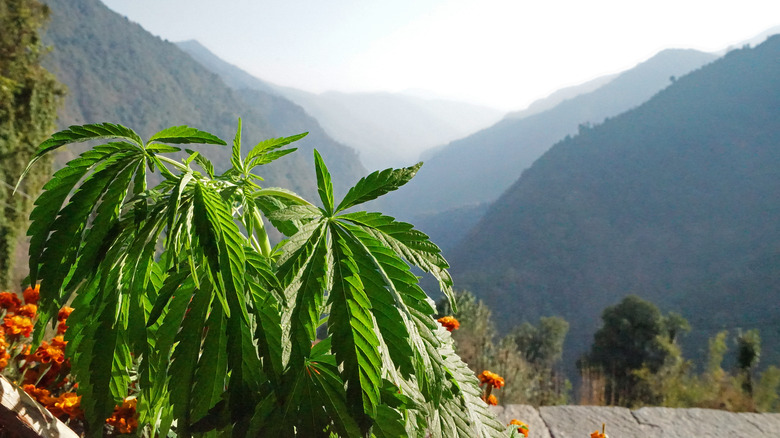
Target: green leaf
352, 329
329, 389
212, 367
184, 135
304, 276
376, 185
235, 157
221, 243
77, 134
411, 244
202, 161
56, 191
185, 357
324, 185
260, 154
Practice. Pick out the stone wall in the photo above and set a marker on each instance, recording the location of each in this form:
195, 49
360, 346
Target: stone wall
580, 421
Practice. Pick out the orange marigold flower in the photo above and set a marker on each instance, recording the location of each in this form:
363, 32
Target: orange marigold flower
28, 310
492, 400
597, 434
64, 313
69, 403
9, 301
491, 378
521, 427
4, 356
18, 324
41, 395
449, 322
124, 417
61, 328
49, 353
32, 295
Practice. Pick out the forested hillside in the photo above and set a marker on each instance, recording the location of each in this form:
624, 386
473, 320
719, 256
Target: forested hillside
675, 201
117, 72
480, 167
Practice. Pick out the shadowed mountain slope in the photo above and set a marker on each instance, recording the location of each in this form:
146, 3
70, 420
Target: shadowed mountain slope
676, 201
117, 72
480, 167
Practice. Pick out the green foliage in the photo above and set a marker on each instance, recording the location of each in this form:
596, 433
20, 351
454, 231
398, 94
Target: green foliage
29, 97
527, 358
222, 326
676, 383
633, 336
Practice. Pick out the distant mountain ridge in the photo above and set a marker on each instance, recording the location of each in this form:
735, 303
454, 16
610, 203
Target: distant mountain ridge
387, 129
117, 72
478, 168
675, 200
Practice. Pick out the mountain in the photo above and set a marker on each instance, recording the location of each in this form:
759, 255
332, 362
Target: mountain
560, 96
391, 129
478, 168
117, 72
387, 129
675, 201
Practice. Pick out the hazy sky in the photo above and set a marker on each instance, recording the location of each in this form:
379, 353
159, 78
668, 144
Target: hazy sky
502, 53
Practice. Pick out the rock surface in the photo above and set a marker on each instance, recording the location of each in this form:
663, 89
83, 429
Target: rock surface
580, 421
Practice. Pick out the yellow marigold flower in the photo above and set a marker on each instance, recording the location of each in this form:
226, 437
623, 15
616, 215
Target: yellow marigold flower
69, 403
9, 301
32, 295
449, 322
492, 379
18, 324
492, 400
124, 417
28, 310
521, 427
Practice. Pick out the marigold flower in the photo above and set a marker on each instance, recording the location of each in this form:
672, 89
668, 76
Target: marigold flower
18, 324
9, 301
492, 400
521, 427
61, 328
4, 356
69, 403
49, 353
64, 313
124, 417
28, 310
492, 379
32, 295
449, 322
41, 395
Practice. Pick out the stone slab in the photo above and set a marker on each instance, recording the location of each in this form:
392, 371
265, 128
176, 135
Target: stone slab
709, 423
525, 413
580, 421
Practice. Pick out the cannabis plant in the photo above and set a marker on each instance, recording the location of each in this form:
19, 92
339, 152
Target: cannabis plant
183, 304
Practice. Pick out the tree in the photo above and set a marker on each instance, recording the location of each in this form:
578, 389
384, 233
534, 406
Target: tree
29, 98
525, 357
633, 336
748, 355
217, 331
475, 340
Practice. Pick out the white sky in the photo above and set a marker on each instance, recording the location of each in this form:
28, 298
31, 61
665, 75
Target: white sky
501, 53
